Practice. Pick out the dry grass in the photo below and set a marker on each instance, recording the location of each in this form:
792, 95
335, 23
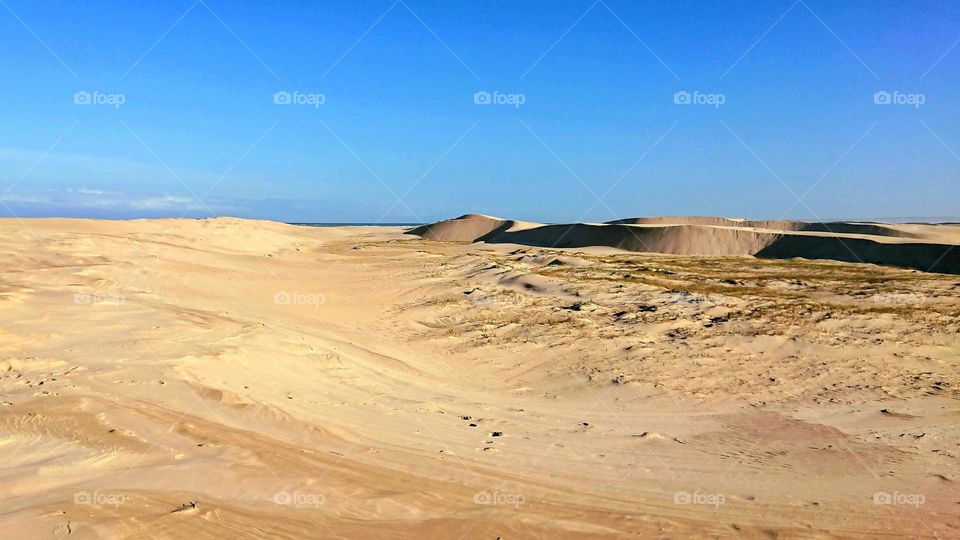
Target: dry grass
656, 314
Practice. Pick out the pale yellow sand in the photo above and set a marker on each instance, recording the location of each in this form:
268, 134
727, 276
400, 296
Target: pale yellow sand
240, 379
926, 247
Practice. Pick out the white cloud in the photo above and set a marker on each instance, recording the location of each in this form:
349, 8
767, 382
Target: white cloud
11, 198
89, 191
112, 200
165, 202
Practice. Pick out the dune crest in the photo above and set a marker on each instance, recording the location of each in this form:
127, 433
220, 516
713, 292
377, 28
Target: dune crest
925, 247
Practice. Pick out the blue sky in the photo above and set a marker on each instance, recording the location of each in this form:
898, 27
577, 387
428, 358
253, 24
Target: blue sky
583, 123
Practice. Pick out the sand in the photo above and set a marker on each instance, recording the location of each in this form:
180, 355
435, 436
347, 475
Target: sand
927, 247
248, 379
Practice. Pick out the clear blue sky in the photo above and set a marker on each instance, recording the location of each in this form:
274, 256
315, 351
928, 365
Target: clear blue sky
198, 132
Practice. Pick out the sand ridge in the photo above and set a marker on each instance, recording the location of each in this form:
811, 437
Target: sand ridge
926, 247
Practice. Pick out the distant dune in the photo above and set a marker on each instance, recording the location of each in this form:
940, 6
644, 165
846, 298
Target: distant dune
925, 247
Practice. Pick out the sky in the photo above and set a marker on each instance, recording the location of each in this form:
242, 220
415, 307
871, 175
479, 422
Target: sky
416, 110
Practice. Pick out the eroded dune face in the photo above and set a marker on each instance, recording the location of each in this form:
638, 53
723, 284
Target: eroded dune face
839, 227
929, 248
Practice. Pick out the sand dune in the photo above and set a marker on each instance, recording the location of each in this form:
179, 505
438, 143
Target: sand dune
844, 227
248, 379
926, 247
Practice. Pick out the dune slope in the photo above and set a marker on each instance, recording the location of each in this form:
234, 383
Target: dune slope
929, 248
